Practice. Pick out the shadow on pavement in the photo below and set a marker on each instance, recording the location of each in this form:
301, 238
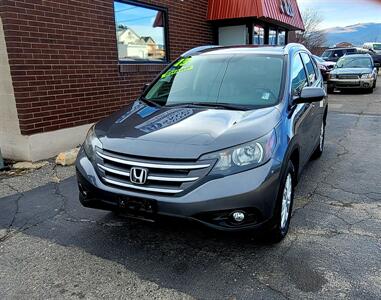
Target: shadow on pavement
179, 255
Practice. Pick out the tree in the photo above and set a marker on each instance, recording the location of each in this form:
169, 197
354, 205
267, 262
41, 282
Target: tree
313, 37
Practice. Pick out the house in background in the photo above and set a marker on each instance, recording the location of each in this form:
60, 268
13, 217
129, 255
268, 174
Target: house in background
130, 45
344, 45
66, 64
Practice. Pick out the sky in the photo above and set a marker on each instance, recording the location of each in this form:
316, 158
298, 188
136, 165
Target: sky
344, 12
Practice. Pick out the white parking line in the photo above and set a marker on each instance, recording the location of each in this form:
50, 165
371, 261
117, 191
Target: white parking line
356, 115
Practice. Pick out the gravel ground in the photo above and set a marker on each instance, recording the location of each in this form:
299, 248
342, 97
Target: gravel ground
20, 181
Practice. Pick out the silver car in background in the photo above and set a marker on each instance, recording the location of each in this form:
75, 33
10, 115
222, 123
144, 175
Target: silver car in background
353, 71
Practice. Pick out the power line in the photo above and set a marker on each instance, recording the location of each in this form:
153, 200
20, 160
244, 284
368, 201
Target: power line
125, 9
136, 19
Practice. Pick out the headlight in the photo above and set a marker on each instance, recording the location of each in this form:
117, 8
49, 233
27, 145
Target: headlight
243, 157
366, 76
91, 143
332, 76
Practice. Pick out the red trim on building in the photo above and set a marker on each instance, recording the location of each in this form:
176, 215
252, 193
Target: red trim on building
268, 10
233, 9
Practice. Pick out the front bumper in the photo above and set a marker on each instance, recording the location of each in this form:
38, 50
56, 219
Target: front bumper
212, 203
351, 83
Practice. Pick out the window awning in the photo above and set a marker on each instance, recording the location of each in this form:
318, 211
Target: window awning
284, 13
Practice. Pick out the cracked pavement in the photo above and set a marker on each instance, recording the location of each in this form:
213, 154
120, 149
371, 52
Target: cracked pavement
51, 247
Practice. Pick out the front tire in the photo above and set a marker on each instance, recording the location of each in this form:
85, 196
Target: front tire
330, 89
284, 205
370, 90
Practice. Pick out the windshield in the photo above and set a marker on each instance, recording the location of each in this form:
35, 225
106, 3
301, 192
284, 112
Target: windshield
243, 80
326, 54
354, 62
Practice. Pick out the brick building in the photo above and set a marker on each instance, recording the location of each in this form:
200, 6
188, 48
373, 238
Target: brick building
66, 64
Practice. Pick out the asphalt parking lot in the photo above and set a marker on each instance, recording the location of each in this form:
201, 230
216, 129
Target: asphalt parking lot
51, 247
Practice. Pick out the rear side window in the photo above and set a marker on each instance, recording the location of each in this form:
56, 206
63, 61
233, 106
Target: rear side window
299, 77
310, 67
351, 51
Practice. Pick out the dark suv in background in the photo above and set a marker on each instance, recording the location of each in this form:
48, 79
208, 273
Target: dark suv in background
220, 137
335, 53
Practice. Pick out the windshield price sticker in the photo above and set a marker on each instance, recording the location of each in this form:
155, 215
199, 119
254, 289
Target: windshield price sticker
179, 67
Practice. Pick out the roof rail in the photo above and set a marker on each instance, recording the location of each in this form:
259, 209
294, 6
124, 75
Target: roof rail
294, 45
198, 50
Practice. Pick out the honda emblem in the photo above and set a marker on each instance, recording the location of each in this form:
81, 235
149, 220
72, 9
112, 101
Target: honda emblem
138, 175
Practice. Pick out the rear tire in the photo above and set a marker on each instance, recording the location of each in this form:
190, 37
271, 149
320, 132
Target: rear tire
320, 148
283, 209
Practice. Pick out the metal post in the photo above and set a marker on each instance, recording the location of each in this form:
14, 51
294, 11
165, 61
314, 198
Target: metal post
1, 161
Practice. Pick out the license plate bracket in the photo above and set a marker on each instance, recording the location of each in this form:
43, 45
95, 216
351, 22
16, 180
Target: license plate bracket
137, 206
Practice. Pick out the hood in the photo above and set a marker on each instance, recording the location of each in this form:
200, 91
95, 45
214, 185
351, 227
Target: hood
329, 63
342, 71
181, 132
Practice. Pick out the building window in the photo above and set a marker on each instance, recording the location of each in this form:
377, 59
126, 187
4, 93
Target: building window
140, 32
282, 38
258, 35
272, 37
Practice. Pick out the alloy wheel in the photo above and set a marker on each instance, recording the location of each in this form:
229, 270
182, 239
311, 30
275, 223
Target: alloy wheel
321, 143
286, 202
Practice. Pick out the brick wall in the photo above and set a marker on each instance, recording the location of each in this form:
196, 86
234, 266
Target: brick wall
63, 58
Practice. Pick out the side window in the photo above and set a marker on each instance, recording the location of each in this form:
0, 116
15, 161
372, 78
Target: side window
310, 67
338, 53
299, 77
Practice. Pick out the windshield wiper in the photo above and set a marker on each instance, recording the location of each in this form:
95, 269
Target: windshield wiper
150, 102
210, 105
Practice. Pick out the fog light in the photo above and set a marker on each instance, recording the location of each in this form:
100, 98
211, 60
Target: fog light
366, 85
238, 216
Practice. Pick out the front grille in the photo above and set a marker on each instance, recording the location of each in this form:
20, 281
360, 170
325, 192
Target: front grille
163, 176
349, 77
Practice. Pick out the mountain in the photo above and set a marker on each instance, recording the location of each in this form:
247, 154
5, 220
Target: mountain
357, 34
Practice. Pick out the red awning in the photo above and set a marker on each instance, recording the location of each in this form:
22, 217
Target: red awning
282, 12
159, 20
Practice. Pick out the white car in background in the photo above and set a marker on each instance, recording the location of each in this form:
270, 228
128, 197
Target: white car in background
376, 47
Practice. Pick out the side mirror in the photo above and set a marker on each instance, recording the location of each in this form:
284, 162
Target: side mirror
310, 95
145, 87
